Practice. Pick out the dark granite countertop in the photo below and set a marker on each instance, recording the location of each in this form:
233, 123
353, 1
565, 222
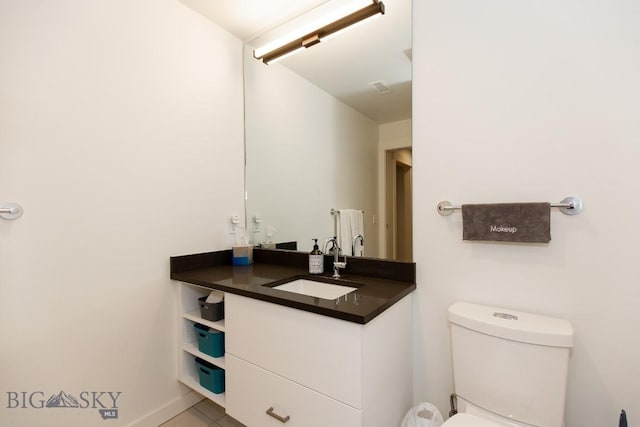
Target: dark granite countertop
380, 283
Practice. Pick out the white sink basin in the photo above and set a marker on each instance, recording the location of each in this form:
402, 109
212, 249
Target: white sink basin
315, 289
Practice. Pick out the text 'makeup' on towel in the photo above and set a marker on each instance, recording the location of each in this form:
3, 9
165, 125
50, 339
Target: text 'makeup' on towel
507, 222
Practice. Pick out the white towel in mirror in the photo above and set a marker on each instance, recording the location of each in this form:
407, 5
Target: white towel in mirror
349, 223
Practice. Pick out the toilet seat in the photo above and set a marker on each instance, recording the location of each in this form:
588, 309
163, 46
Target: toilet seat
468, 420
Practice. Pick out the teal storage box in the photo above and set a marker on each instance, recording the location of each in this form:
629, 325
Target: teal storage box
211, 376
210, 341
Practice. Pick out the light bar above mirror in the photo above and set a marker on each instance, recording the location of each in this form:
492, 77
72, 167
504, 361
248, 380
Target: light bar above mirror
321, 29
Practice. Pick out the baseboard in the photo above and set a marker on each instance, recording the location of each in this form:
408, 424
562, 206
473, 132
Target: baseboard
168, 411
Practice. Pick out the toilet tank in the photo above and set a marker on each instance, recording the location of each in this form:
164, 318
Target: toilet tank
511, 363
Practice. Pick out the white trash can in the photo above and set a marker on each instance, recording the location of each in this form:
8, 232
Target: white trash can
423, 415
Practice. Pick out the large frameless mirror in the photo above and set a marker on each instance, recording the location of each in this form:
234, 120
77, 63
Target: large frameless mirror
329, 128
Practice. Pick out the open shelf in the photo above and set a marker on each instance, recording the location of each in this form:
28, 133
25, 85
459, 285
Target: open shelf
194, 316
189, 376
195, 385
193, 350
189, 311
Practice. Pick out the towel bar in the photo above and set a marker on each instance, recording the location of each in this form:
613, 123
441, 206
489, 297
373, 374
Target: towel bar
568, 206
337, 211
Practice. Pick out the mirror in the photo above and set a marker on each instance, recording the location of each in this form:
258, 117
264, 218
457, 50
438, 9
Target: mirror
320, 138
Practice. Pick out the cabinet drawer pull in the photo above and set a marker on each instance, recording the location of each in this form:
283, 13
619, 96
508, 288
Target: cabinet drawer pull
272, 413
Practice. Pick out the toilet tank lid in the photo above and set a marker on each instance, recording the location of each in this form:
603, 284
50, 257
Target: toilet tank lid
513, 325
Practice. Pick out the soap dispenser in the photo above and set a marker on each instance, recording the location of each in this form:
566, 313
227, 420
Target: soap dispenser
316, 259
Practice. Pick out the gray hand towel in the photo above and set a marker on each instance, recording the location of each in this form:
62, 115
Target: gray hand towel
507, 222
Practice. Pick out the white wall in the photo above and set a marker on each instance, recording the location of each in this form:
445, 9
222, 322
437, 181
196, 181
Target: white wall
532, 101
307, 153
392, 136
121, 135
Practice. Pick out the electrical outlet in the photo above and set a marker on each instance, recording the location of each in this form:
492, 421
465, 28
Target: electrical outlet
233, 224
257, 221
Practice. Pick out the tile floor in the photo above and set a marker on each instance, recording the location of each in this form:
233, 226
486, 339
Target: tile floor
203, 414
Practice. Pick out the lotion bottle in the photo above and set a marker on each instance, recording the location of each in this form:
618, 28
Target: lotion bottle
316, 259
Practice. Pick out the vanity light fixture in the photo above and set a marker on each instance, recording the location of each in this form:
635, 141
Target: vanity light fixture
286, 46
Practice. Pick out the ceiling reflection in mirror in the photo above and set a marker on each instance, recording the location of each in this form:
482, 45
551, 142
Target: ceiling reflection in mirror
320, 129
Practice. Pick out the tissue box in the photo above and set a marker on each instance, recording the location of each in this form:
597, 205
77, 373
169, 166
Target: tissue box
242, 255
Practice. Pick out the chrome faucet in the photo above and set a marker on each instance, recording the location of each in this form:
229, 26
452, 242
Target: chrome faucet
353, 244
337, 265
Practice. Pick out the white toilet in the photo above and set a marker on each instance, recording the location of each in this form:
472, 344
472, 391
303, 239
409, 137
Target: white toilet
509, 367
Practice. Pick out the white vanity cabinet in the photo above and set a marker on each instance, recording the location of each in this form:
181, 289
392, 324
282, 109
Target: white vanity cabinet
292, 367
189, 314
